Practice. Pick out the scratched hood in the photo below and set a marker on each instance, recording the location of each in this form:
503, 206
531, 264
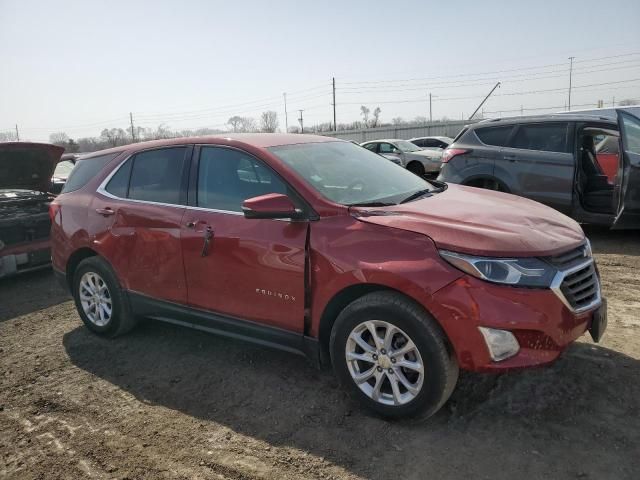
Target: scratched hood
481, 222
28, 166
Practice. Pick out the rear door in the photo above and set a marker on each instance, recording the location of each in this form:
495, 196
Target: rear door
627, 188
540, 161
387, 150
137, 217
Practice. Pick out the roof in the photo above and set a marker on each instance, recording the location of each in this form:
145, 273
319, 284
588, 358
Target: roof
544, 118
390, 140
428, 137
260, 140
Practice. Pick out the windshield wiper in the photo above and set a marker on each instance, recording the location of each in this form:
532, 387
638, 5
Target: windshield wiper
416, 195
372, 204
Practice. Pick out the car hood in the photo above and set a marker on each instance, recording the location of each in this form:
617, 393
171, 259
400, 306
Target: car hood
482, 222
433, 154
28, 166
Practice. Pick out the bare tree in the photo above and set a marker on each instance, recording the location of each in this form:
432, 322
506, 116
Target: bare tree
114, 137
364, 111
59, 138
398, 121
248, 125
420, 120
8, 136
628, 101
269, 121
235, 122
376, 117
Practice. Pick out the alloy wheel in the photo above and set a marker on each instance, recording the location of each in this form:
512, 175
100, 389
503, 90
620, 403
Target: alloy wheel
384, 362
95, 299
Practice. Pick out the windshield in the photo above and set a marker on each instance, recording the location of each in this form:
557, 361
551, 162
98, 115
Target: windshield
406, 146
349, 174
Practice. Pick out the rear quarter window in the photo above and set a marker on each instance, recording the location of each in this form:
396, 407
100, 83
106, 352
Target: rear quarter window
85, 170
496, 136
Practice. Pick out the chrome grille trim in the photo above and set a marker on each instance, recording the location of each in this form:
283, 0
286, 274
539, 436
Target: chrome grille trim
575, 284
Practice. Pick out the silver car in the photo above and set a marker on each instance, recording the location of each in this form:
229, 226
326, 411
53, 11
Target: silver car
432, 143
412, 157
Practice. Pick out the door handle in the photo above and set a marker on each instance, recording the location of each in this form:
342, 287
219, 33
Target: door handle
105, 211
191, 224
511, 158
208, 235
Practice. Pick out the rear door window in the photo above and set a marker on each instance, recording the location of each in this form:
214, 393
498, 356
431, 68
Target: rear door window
85, 170
545, 137
497, 136
371, 146
119, 183
156, 175
387, 148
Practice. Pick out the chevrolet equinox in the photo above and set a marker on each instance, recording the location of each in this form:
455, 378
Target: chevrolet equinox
322, 248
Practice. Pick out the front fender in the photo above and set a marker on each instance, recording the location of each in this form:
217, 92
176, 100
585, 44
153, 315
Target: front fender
346, 252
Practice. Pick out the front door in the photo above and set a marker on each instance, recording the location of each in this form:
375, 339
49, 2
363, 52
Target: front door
627, 188
250, 269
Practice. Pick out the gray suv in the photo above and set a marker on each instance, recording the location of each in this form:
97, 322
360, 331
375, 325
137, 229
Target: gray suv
553, 159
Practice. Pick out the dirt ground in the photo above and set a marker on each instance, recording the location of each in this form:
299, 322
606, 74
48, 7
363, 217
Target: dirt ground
169, 403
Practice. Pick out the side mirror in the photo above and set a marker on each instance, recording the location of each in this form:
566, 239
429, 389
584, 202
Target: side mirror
271, 205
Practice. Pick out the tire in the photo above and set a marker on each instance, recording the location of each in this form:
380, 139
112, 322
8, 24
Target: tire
488, 184
439, 367
94, 271
416, 168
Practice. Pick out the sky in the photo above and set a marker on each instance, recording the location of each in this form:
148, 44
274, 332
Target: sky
81, 66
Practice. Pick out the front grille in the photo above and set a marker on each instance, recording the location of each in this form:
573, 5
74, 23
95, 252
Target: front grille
566, 260
581, 288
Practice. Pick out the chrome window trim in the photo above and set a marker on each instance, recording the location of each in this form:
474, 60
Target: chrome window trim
103, 191
556, 284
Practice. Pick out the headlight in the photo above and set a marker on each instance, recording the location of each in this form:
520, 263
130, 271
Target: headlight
526, 272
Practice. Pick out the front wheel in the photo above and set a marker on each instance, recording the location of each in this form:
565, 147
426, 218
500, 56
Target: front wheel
392, 356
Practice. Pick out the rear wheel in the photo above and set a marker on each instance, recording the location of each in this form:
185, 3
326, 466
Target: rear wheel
392, 357
416, 168
488, 184
100, 301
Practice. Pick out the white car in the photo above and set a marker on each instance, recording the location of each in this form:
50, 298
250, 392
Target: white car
411, 157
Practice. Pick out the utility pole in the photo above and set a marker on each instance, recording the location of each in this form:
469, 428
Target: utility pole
133, 137
485, 99
301, 123
17, 133
335, 125
613, 101
286, 118
570, 75
430, 111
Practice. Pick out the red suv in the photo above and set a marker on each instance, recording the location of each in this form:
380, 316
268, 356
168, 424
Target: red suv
322, 248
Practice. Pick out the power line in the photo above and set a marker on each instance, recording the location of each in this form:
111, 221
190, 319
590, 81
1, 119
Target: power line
497, 95
484, 81
537, 67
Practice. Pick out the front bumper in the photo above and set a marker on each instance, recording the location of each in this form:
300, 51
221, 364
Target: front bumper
541, 322
24, 257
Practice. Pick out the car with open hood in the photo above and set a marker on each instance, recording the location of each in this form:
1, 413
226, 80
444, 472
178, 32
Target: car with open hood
408, 155
321, 248
25, 193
